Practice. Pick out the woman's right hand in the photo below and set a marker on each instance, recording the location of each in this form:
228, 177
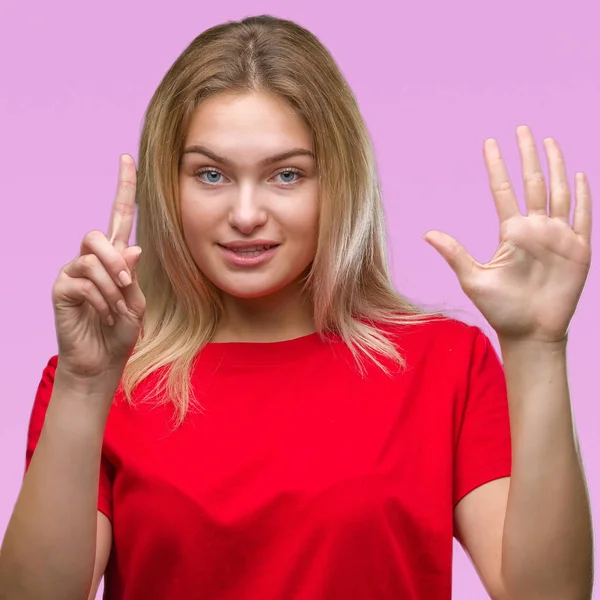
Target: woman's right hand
98, 304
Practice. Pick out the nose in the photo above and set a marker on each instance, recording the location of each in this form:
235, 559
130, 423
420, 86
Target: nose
247, 212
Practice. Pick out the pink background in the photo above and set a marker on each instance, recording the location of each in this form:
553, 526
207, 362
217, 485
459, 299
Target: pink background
433, 80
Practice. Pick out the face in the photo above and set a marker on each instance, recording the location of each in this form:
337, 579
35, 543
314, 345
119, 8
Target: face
248, 193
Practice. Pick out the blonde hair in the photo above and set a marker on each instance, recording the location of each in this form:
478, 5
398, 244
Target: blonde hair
349, 281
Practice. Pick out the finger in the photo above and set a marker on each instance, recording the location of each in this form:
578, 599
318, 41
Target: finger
502, 190
123, 209
95, 242
582, 217
134, 297
77, 290
89, 267
536, 194
560, 194
453, 252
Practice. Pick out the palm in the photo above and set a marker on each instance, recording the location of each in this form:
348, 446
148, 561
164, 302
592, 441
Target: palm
80, 332
531, 286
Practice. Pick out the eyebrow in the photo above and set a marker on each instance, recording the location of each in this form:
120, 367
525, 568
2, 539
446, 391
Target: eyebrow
197, 149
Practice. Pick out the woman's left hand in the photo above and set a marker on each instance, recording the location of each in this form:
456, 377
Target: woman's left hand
529, 290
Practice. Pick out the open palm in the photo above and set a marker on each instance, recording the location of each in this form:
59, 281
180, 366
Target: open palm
531, 286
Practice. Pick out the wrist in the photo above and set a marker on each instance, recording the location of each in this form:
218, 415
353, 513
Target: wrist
72, 384
532, 345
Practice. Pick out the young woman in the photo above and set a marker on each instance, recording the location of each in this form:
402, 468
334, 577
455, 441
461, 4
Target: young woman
249, 410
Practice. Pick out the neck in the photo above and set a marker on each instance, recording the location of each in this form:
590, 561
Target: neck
285, 315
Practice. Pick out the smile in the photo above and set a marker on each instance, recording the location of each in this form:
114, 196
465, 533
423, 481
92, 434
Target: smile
248, 255
251, 250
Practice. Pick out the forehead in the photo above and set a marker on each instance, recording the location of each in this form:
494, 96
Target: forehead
227, 122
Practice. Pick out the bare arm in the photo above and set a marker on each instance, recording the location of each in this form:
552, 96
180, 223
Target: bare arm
531, 536
547, 541
103, 548
49, 550
52, 547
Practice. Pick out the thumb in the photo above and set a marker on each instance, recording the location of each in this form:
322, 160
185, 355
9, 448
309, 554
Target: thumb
134, 297
132, 256
453, 252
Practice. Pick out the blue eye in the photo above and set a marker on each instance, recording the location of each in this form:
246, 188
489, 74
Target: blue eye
210, 176
288, 176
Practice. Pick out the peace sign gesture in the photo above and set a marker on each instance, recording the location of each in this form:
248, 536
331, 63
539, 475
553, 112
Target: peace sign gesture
98, 304
530, 288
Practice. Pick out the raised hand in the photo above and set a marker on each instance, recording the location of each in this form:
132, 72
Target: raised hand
530, 289
98, 304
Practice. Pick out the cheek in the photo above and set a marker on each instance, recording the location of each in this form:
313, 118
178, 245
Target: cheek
301, 218
198, 219
306, 227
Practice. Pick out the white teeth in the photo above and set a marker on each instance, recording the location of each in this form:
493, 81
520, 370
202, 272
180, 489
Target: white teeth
251, 250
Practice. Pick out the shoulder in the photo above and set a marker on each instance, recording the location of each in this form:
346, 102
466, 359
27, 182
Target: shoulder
439, 334
443, 347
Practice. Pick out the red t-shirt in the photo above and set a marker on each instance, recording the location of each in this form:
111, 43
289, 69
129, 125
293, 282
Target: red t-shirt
302, 479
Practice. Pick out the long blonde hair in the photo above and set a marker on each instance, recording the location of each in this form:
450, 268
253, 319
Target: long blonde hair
349, 280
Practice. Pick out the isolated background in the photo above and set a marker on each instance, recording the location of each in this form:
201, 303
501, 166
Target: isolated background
433, 80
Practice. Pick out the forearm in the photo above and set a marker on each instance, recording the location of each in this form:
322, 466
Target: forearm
49, 547
547, 542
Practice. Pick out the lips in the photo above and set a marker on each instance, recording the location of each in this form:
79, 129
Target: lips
250, 250
248, 254
242, 246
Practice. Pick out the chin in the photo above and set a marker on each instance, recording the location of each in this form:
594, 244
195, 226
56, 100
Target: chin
244, 294
249, 290
253, 287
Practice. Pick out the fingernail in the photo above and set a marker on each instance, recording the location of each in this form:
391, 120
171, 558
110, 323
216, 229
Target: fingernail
124, 278
110, 321
121, 307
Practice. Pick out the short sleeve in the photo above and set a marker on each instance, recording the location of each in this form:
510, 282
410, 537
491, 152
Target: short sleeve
483, 443
36, 421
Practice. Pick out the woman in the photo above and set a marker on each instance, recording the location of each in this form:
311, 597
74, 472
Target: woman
250, 410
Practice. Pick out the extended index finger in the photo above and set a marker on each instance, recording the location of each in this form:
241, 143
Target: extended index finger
123, 209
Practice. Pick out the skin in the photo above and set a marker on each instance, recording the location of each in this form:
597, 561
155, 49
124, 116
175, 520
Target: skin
229, 194
507, 526
530, 536
98, 308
